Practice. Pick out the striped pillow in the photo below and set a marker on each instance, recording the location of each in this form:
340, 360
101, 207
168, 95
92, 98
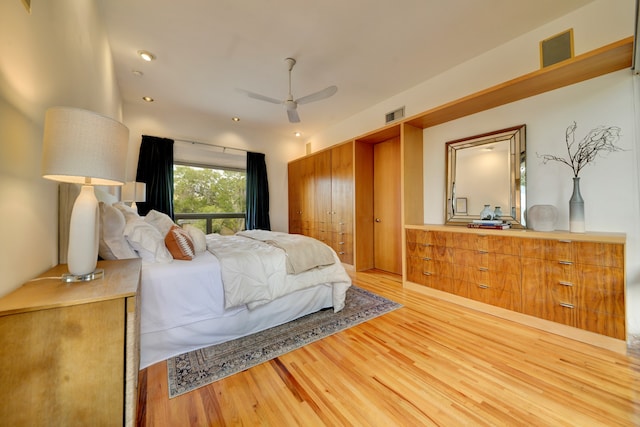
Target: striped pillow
179, 244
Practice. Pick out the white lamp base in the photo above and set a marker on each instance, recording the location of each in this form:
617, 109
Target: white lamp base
82, 256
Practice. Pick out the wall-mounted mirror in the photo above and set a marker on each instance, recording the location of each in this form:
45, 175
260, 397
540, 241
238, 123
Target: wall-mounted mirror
487, 169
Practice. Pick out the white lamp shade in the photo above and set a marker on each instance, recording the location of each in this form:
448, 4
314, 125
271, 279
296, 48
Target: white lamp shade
79, 144
134, 192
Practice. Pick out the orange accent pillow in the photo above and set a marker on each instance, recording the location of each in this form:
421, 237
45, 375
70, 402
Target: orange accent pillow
179, 244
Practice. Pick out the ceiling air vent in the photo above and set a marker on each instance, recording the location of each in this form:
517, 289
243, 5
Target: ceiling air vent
394, 115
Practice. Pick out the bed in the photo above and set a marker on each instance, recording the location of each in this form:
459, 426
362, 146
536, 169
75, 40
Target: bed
231, 286
182, 308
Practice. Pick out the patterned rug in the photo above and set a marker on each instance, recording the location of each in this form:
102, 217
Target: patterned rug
198, 368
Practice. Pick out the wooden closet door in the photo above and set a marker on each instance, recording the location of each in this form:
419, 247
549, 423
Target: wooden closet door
322, 196
342, 201
295, 196
386, 206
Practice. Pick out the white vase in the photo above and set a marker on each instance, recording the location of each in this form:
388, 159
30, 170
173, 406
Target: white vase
487, 212
576, 209
542, 217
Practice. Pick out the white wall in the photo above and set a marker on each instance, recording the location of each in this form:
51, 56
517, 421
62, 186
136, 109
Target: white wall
57, 55
595, 25
610, 187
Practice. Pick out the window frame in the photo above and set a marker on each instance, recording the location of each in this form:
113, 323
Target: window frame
182, 218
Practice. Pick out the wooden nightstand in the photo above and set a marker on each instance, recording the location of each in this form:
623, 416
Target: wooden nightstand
69, 352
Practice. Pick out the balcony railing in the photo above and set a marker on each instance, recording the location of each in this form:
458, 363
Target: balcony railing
186, 218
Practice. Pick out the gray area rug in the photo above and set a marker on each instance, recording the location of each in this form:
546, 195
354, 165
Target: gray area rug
198, 368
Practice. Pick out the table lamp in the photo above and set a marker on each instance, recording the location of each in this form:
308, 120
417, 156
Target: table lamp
134, 192
83, 147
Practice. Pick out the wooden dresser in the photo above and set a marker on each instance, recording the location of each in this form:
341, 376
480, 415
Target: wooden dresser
574, 279
70, 351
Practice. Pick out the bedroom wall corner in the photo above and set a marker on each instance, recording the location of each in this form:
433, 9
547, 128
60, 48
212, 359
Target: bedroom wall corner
58, 55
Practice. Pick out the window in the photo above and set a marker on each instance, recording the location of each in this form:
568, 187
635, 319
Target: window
210, 198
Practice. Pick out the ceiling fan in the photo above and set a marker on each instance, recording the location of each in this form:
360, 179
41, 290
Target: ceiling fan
290, 103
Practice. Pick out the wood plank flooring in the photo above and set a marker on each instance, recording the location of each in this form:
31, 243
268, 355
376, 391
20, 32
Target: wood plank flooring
430, 363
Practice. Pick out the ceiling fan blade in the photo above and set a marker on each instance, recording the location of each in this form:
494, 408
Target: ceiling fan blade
293, 116
261, 97
324, 93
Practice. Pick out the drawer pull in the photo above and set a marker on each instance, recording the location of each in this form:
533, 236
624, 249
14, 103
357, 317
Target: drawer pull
341, 243
426, 273
483, 268
565, 262
566, 305
481, 286
482, 252
565, 283
426, 245
341, 253
564, 241
426, 258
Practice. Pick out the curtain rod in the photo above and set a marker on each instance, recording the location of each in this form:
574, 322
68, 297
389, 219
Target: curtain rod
211, 145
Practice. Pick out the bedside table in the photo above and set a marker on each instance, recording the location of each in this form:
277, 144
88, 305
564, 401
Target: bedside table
69, 352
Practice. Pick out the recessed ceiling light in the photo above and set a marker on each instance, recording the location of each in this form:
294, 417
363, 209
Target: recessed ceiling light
147, 98
235, 119
298, 134
146, 55
137, 73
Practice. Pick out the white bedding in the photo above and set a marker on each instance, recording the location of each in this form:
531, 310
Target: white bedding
255, 272
183, 308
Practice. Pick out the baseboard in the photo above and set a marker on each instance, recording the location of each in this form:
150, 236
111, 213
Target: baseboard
602, 341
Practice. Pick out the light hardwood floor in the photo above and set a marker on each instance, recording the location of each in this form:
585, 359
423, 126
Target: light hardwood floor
429, 363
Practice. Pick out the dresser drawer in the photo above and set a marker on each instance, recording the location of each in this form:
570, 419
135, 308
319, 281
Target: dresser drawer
499, 297
549, 249
595, 253
471, 257
476, 242
504, 263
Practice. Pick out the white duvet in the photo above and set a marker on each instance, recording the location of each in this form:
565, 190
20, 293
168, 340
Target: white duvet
255, 272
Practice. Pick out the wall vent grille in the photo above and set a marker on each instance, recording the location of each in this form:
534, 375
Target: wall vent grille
394, 115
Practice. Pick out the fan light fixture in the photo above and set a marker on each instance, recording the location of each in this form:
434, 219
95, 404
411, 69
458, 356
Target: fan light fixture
290, 103
83, 147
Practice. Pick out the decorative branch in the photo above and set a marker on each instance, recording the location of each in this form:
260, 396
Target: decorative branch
598, 140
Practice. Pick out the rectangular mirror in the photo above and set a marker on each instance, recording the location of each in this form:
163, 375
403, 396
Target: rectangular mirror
487, 169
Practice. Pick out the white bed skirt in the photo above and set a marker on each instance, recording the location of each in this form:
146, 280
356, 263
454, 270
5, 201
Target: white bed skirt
167, 329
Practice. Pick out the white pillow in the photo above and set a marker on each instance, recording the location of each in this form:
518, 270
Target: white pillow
197, 236
112, 244
147, 241
129, 213
159, 220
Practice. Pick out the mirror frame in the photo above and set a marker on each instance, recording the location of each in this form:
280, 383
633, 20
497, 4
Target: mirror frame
517, 140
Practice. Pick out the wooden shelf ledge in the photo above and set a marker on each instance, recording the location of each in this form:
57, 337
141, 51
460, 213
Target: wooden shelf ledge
607, 59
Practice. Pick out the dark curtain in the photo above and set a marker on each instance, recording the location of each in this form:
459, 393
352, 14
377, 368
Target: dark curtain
155, 168
257, 193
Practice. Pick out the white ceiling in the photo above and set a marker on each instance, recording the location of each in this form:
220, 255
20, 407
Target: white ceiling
371, 49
